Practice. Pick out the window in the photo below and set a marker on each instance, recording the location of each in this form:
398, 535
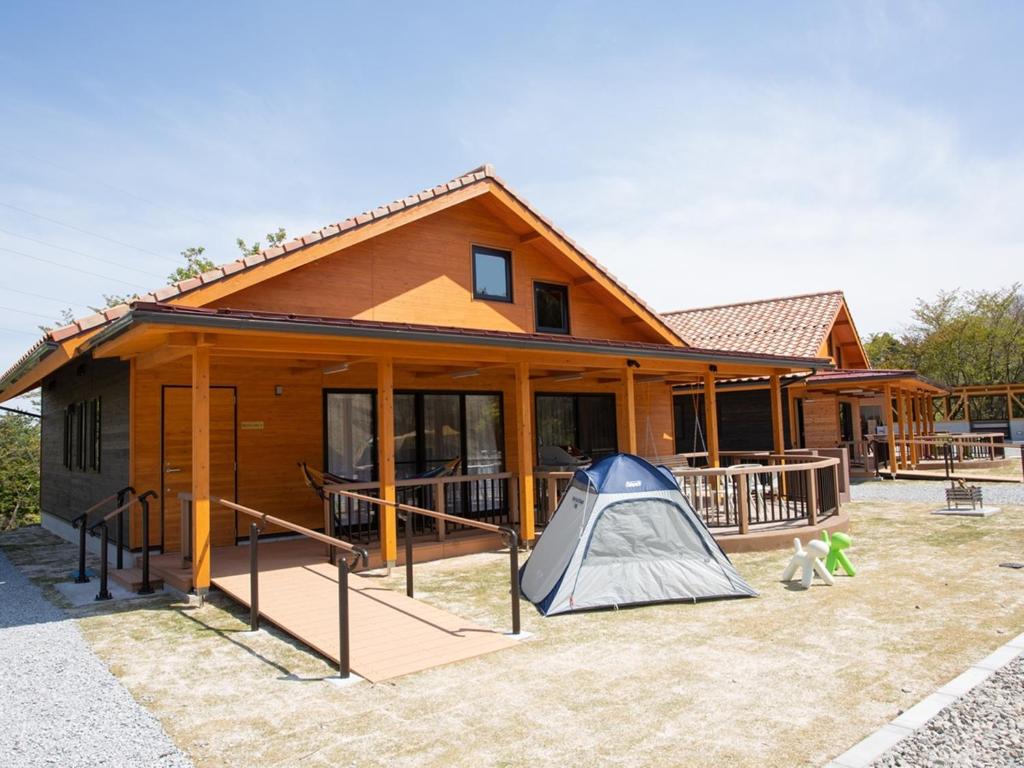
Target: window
82, 436
433, 428
69, 436
351, 426
552, 306
492, 274
577, 423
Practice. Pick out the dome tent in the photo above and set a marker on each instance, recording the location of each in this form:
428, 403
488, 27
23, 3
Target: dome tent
624, 534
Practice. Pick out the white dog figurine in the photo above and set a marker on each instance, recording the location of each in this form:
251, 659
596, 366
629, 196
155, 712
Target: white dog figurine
809, 560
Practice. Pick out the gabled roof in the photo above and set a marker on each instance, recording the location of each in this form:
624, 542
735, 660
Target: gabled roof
185, 290
791, 325
476, 176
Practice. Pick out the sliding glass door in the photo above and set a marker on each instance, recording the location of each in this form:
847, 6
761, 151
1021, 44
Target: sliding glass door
579, 423
434, 432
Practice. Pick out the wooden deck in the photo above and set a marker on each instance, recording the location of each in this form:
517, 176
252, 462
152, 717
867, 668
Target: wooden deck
391, 634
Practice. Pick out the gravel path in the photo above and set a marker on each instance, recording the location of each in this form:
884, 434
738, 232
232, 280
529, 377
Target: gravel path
59, 704
931, 490
984, 728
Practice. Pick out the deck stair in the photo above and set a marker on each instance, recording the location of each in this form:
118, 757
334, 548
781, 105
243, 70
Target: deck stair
131, 579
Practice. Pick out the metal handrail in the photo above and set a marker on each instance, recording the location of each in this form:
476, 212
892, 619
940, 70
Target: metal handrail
506, 531
81, 523
344, 655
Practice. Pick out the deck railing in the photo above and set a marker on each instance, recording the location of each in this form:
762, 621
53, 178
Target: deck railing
765, 488
260, 520
489, 498
406, 513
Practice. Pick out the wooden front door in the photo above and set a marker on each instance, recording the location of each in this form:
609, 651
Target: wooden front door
176, 469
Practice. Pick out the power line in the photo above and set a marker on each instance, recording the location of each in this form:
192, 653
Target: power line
15, 330
26, 312
41, 296
80, 253
67, 266
87, 232
20, 413
94, 180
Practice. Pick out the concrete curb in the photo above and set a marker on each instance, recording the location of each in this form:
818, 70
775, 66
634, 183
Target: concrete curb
870, 749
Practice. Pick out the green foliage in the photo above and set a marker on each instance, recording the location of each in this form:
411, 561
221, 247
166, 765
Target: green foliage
19, 470
195, 265
273, 238
960, 338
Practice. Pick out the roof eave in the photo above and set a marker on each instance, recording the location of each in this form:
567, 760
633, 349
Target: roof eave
31, 359
433, 336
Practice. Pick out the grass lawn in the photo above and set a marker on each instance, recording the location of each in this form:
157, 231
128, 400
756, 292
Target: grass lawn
789, 678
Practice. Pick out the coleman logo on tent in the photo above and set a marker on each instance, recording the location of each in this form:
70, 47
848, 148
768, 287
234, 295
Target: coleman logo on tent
633, 483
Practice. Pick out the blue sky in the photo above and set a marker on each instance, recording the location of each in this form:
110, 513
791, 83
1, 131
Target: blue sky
705, 153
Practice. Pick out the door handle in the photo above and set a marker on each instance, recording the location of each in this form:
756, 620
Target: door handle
168, 470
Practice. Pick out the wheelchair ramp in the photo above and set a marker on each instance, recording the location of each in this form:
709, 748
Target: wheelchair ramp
391, 635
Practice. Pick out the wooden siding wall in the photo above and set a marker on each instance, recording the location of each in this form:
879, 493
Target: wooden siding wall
821, 421
66, 492
268, 479
423, 273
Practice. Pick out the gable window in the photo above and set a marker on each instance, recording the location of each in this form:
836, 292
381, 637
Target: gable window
551, 303
492, 274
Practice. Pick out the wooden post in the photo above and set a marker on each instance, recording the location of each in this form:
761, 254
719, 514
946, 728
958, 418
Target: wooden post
439, 506
911, 412
778, 434
201, 469
794, 423
386, 458
525, 448
902, 416
890, 430
711, 418
744, 501
629, 409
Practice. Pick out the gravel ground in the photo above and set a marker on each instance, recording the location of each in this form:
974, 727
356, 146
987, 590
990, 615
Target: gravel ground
931, 490
984, 728
59, 704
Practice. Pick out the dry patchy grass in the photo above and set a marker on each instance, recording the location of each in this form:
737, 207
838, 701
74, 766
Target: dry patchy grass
789, 678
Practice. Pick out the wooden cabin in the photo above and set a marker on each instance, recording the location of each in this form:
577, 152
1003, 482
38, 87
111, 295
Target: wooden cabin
452, 331
843, 406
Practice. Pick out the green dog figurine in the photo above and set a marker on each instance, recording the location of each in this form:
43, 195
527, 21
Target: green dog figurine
837, 542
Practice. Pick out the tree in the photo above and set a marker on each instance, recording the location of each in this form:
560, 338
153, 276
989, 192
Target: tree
19, 470
273, 238
195, 265
960, 338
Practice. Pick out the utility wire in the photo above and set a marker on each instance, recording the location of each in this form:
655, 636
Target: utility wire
67, 266
80, 253
87, 232
40, 296
15, 330
20, 413
108, 185
26, 312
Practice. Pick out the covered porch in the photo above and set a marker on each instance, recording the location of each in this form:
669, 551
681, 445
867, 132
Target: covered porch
227, 404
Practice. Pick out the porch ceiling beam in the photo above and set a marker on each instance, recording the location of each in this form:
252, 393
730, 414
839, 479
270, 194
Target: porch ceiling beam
161, 356
582, 280
530, 236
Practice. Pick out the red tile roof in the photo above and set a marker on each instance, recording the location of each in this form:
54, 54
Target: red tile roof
792, 325
475, 176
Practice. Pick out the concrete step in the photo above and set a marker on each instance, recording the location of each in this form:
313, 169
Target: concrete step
131, 578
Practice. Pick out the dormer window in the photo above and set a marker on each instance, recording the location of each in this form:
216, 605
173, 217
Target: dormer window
492, 274
551, 303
